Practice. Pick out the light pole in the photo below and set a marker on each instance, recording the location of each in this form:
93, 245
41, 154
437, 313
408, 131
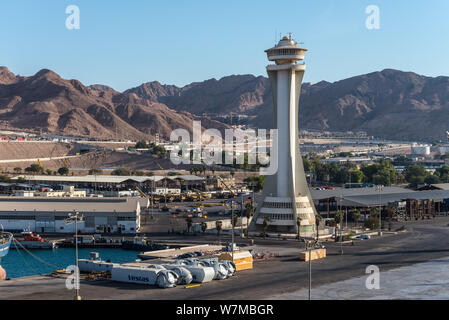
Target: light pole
232, 224
346, 213
75, 217
241, 218
341, 226
310, 269
379, 188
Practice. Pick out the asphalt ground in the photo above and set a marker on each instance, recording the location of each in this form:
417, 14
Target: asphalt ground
423, 241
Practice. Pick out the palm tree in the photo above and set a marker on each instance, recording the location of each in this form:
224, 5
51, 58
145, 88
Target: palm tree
218, 226
266, 224
234, 219
338, 218
391, 211
356, 217
203, 226
189, 222
249, 212
318, 219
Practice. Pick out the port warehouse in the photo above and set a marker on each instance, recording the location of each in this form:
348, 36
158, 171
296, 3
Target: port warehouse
100, 215
107, 183
409, 204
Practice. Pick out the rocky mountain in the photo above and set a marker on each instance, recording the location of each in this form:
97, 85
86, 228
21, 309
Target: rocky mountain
47, 102
389, 103
236, 93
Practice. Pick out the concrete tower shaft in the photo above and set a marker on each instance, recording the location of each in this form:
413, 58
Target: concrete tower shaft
286, 195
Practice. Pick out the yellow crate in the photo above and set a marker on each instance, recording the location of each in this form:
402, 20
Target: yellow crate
315, 254
243, 260
243, 266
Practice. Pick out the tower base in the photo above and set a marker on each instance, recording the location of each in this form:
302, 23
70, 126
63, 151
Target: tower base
277, 215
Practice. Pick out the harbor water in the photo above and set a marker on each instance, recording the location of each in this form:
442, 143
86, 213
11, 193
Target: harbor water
18, 263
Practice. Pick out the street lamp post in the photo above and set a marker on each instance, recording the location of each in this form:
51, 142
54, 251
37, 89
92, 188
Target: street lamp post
241, 217
310, 270
346, 215
232, 224
341, 226
75, 217
379, 188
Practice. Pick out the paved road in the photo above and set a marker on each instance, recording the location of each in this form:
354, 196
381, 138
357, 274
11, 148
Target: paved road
36, 159
425, 240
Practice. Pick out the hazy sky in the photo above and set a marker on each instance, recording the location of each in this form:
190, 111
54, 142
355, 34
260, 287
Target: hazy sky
125, 43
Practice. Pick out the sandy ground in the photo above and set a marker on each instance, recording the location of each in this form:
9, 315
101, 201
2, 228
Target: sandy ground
26, 150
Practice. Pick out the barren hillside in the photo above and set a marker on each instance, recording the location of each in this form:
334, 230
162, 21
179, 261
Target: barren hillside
27, 150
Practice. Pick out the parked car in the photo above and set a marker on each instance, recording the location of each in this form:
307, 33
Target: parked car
363, 237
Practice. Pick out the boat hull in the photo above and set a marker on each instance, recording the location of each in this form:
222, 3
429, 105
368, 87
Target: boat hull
37, 245
4, 249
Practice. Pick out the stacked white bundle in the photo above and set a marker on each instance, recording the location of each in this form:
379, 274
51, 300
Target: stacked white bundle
200, 274
94, 265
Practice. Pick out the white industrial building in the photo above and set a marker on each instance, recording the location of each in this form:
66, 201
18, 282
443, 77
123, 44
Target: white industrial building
420, 149
100, 215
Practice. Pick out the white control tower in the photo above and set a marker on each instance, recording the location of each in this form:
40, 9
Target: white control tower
286, 195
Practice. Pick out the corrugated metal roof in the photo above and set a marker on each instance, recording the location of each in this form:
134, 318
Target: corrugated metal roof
25, 204
89, 178
384, 199
188, 177
325, 194
442, 186
103, 178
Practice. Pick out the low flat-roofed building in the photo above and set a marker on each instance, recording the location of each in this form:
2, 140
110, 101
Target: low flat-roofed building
342, 160
100, 215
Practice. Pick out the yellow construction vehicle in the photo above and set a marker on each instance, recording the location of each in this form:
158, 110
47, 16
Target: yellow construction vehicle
142, 194
224, 194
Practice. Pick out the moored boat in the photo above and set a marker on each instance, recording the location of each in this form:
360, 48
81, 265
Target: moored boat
34, 241
142, 244
5, 243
